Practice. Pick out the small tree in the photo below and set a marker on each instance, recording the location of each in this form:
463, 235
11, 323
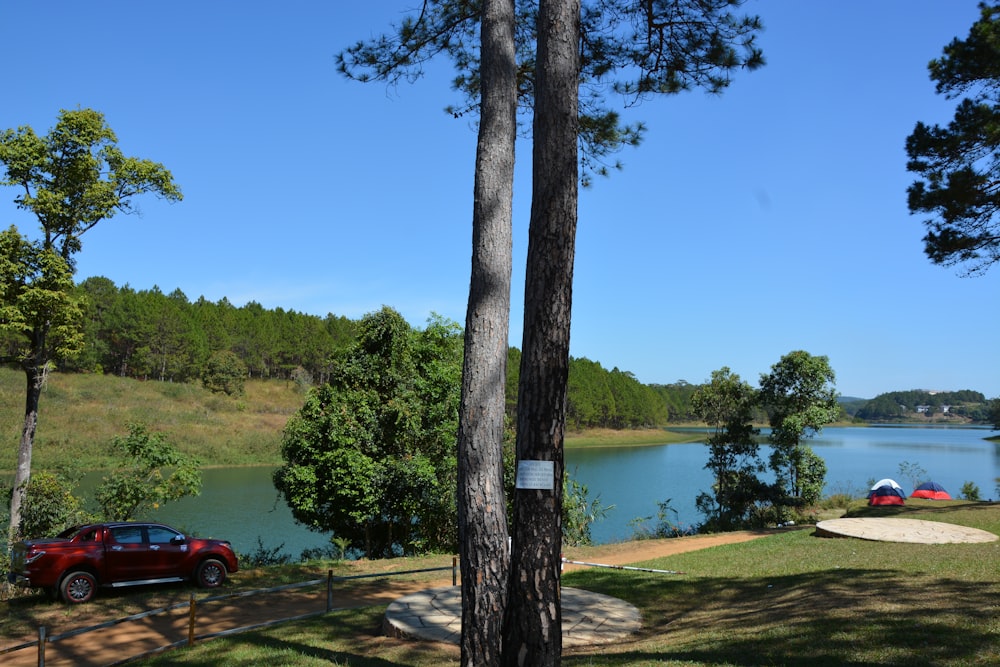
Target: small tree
970, 491
225, 373
370, 456
139, 481
799, 398
727, 404
40, 322
913, 473
70, 179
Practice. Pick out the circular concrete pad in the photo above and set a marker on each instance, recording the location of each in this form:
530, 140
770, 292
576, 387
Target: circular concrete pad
587, 618
913, 531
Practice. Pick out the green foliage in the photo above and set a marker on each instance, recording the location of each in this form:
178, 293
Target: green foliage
799, 399
225, 373
139, 481
598, 398
263, 556
40, 314
146, 333
994, 413
665, 526
727, 404
903, 405
811, 475
49, 506
970, 491
76, 176
370, 456
678, 399
579, 513
957, 164
629, 51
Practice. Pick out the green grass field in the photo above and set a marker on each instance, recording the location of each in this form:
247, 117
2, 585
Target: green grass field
787, 599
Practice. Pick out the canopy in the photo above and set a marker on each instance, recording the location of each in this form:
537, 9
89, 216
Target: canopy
931, 491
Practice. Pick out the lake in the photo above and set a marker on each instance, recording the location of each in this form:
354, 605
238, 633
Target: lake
635, 479
240, 504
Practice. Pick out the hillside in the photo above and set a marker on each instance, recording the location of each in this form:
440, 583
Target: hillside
81, 413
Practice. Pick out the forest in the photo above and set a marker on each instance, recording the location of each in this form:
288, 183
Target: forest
917, 404
150, 335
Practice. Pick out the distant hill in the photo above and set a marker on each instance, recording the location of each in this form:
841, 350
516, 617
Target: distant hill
852, 404
930, 406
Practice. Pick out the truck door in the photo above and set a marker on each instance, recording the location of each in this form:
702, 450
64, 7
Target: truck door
126, 554
168, 551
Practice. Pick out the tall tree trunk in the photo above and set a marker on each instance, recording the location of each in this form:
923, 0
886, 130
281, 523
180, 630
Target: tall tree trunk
532, 633
482, 515
35, 380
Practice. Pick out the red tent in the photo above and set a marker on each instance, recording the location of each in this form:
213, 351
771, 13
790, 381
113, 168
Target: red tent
931, 491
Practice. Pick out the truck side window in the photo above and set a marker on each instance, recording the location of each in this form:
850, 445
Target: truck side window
127, 534
160, 535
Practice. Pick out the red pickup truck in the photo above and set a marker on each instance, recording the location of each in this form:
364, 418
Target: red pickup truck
82, 558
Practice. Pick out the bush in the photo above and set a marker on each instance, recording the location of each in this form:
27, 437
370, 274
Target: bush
49, 506
970, 491
225, 373
665, 527
264, 557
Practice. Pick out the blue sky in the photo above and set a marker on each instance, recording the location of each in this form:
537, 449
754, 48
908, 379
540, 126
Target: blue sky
772, 218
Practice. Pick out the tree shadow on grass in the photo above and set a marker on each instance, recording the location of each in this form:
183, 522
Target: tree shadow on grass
353, 637
838, 617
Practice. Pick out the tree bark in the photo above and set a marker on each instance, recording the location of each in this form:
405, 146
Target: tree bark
532, 633
35, 380
482, 514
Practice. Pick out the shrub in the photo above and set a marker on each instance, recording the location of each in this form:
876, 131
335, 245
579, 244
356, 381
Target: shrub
263, 556
970, 491
225, 373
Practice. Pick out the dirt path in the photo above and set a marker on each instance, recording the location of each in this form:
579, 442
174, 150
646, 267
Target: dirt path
111, 645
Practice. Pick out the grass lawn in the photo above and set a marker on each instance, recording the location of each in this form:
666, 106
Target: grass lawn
787, 599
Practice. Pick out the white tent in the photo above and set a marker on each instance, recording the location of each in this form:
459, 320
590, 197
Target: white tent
886, 482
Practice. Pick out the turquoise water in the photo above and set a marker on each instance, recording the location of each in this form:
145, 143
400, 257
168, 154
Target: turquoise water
241, 505
635, 479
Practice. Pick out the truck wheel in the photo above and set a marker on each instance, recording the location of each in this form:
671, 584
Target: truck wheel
78, 587
211, 573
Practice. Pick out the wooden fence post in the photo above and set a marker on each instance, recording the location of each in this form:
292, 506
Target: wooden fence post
454, 570
41, 646
191, 616
329, 591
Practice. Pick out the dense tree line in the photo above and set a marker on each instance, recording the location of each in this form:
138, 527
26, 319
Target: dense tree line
150, 335
146, 334
610, 399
